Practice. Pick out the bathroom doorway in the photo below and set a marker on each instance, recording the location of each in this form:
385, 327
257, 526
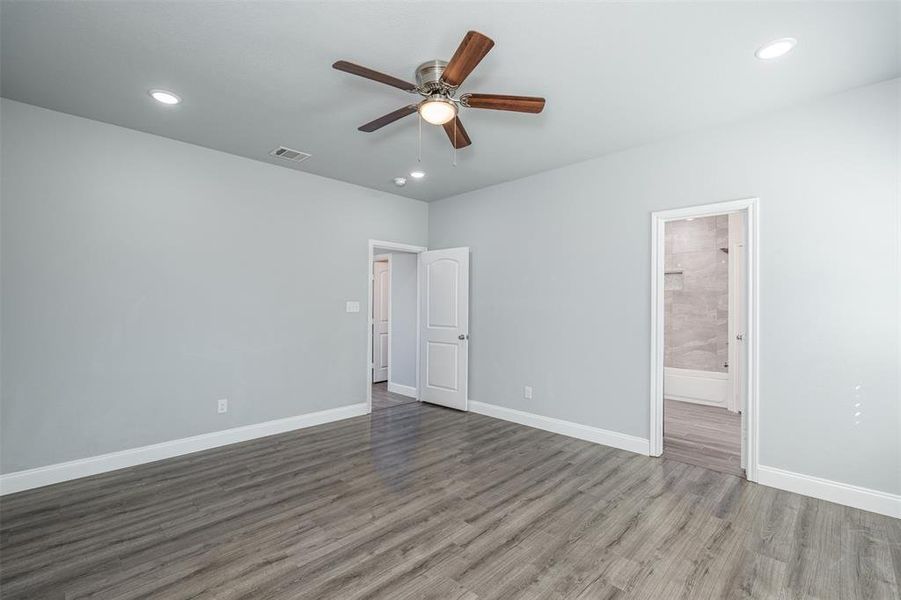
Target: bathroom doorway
702, 382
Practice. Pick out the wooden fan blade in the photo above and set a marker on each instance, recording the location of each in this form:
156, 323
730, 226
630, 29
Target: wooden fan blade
458, 138
469, 53
389, 118
343, 65
526, 104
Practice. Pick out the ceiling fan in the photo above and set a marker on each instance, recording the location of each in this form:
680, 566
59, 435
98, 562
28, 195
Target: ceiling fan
437, 81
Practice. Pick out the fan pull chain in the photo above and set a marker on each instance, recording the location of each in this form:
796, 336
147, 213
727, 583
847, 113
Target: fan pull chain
419, 157
455, 142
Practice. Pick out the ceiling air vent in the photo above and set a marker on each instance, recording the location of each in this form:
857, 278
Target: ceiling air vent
290, 155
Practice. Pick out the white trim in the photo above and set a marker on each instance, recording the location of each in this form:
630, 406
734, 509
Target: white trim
390, 314
399, 247
404, 390
705, 210
736, 240
875, 501
658, 221
84, 467
752, 304
710, 388
568, 428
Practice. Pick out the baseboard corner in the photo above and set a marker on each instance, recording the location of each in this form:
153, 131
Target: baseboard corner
403, 390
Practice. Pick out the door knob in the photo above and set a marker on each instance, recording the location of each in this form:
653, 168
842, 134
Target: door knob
462, 337
740, 337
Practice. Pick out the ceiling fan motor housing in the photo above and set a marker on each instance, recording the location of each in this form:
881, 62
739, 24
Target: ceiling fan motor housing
428, 77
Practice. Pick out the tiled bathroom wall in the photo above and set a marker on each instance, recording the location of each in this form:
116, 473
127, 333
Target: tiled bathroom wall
696, 294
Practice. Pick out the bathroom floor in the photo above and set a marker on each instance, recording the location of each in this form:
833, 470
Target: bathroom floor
705, 436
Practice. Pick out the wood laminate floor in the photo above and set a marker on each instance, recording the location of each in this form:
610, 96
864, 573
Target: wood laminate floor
706, 436
382, 398
420, 502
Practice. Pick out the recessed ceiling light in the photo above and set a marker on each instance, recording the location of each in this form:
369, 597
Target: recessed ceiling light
164, 97
776, 48
417, 174
400, 181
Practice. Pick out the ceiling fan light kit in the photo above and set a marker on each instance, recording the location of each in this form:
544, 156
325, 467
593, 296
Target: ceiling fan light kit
437, 81
437, 109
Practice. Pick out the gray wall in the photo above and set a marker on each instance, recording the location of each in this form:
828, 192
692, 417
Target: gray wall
696, 296
143, 279
403, 318
561, 269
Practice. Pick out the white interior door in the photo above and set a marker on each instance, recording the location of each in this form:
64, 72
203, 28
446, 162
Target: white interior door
381, 319
444, 328
738, 323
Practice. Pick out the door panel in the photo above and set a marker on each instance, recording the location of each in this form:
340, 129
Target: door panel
444, 362
381, 311
442, 277
444, 330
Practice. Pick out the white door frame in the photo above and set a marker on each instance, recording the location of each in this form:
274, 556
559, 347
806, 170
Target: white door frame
736, 248
399, 247
658, 253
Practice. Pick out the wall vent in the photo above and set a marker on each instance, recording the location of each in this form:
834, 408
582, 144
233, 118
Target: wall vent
288, 154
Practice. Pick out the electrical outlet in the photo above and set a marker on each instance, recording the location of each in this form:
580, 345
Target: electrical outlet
527, 392
223, 405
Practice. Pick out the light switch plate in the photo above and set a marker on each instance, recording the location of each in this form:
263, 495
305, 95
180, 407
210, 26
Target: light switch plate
527, 392
353, 307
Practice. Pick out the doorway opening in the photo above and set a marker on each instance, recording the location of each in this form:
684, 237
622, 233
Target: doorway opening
703, 387
392, 365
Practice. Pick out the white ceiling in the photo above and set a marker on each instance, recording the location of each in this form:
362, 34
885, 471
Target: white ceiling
255, 75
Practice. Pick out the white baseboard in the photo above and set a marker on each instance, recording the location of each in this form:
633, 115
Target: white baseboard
405, 390
875, 501
83, 467
710, 388
568, 428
